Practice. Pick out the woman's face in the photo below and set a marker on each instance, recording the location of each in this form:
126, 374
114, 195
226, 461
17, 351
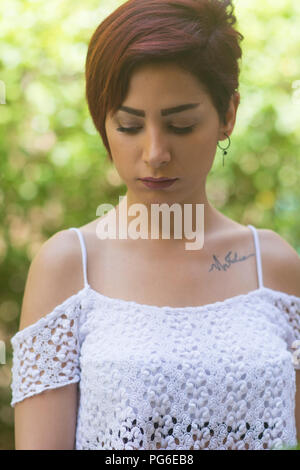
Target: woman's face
166, 144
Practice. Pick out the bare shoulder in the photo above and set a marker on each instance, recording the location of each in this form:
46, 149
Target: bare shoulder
280, 263
54, 275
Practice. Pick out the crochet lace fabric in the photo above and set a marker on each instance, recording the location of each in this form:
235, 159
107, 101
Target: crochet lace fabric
45, 354
218, 376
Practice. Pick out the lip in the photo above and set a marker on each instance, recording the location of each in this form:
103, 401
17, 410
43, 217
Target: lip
156, 180
161, 183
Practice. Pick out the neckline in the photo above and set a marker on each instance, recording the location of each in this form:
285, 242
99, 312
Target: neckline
133, 304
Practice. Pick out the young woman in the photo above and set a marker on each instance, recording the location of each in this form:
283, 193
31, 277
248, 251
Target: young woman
140, 343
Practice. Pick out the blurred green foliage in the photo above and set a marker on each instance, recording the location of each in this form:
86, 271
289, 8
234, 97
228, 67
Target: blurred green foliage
53, 167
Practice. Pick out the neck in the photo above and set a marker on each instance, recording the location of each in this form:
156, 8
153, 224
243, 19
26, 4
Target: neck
184, 223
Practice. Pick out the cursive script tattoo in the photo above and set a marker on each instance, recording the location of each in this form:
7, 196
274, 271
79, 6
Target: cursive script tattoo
219, 266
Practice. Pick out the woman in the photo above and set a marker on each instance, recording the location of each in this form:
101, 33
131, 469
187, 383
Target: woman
163, 347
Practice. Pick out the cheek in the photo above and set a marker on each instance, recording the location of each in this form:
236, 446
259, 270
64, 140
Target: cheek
207, 135
118, 149
202, 145
205, 146
121, 147
200, 154
124, 163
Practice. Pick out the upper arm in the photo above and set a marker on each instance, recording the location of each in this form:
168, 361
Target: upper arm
282, 268
280, 263
47, 420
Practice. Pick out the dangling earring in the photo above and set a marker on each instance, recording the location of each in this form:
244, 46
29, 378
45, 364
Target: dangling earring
224, 150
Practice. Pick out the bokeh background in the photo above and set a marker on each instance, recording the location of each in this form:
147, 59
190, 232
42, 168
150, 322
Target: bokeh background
53, 166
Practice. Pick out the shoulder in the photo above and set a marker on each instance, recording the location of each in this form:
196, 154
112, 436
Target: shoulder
54, 275
59, 255
280, 263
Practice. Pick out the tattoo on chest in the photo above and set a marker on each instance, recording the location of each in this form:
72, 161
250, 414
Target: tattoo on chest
229, 260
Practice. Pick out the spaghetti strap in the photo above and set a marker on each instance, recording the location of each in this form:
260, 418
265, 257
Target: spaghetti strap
258, 256
84, 255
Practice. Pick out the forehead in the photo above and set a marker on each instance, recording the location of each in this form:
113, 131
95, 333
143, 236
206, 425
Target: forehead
157, 89
165, 79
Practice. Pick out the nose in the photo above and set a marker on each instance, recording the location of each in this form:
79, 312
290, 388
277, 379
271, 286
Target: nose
156, 152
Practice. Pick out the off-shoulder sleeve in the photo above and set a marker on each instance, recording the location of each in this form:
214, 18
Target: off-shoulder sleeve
290, 305
46, 354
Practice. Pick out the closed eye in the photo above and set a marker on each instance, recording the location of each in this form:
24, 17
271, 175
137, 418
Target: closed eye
176, 130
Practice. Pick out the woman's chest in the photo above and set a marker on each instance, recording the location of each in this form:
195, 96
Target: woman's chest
244, 331
173, 277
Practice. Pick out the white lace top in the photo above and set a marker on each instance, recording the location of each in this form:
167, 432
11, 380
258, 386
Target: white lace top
218, 376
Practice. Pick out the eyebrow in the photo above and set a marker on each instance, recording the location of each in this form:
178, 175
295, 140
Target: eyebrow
164, 112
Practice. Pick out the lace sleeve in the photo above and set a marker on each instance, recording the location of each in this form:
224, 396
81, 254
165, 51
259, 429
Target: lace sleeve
46, 354
290, 305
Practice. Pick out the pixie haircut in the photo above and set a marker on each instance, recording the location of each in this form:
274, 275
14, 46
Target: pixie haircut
197, 35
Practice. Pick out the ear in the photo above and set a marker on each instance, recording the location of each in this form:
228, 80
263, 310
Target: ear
230, 116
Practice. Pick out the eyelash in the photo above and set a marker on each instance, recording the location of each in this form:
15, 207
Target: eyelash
177, 130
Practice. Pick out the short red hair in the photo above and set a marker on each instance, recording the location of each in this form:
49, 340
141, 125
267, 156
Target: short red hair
197, 35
